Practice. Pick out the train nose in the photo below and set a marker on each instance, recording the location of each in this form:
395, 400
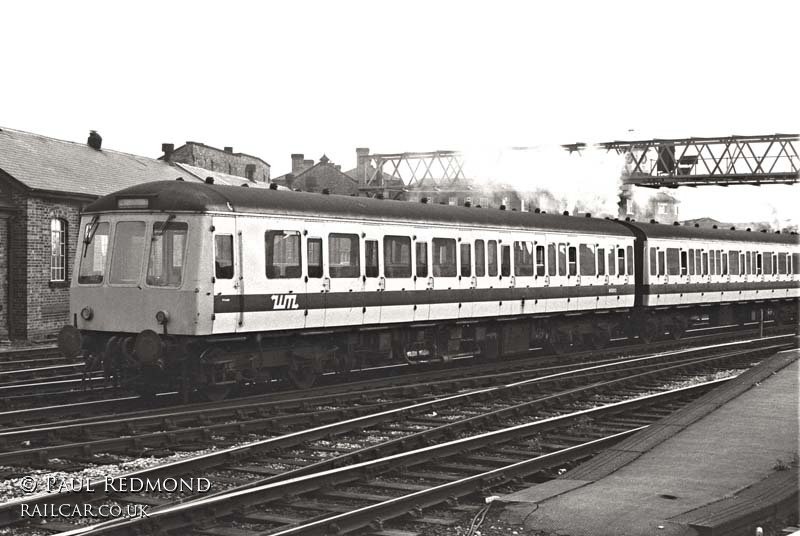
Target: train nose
69, 341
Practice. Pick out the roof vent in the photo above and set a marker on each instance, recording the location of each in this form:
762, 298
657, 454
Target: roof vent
513, 210
273, 186
675, 223
763, 230
245, 185
653, 221
467, 204
778, 231
748, 229
627, 218
424, 200
326, 191
209, 180
566, 213
537, 211
588, 214
733, 228
502, 207
95, 141
379, 196
697, 225
715, 227
179, 179
544, 212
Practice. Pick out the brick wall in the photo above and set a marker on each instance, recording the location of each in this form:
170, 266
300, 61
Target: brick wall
197, 154
47, 307
17, 268
3, 278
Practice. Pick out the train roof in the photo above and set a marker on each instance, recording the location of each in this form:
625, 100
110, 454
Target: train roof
658, 230
178, 196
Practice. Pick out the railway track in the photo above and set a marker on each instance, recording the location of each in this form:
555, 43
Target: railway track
379, 440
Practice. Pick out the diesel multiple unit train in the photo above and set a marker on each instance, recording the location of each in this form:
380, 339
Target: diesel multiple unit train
211, 286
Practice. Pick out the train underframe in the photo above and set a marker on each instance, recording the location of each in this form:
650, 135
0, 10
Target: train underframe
214, 365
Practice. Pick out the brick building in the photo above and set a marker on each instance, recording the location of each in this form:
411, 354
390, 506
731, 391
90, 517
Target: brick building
224, 160
44, 184
324, 175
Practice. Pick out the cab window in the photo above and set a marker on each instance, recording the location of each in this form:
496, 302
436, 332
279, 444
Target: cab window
167, 250
95, 253
127, 253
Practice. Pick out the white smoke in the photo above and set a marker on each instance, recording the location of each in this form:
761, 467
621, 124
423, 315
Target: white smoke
551, 177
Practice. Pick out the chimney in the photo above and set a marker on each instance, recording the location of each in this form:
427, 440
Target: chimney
290, 180
94, 141
167, 149
362, 164
307, 164
338, 167
297, 163
229, 149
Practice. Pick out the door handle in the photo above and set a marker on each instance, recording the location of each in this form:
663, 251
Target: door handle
430, 283
473, 282
326, 284
382, 283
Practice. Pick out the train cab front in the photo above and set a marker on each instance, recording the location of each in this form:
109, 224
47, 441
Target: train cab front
131, 303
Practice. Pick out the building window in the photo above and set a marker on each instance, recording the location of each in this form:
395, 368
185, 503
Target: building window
58, 250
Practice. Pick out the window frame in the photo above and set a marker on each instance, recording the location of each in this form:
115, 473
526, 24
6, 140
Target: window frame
59, 261
299, 250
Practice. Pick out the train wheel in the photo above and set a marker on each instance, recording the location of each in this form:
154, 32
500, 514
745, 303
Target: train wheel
649, 330
559, 342
677, 328
302, 375
598, 339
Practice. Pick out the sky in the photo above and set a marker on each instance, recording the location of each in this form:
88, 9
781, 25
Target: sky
325, 77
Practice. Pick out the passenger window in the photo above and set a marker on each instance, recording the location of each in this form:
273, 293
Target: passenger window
601, 261
612, 262
282, 253
444, 257
167, 249
523, 258
711, 262
397, 256
128, 252
724, 263
705, 263
629, 259
684, 263
492, 252
540, 268
653, 261
621, 262
691, 262
505, 261
95, 253
774, 264
661, 263
588, 260
480, 258
767, 257
422, 259
749, 261
371, 268
466, 260
673, 261
782, 263
718, 255
314, 248
343, 255
552, 264
572, 260
734, 262
796, 263
562, 259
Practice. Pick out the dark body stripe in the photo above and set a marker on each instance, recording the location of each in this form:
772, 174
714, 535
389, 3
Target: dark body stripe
685, 288
334, 300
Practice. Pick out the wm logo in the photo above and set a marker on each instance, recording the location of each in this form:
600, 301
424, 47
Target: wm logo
284, 301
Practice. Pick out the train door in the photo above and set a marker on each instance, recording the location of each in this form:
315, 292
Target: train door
484, 303
315, 252
444, 298
374, 282
228, 296
397, 296
466, 278
423, 278
343, 280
